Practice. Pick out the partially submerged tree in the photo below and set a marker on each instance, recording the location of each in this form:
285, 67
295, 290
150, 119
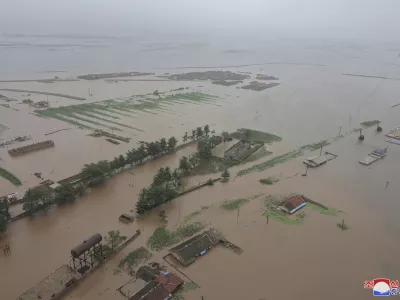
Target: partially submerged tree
4, 214
172, 141
114, 239
185, 137
199, 132
163, 144
64, 194
225, 175
184, 164
36, 200
206, 129
204, 147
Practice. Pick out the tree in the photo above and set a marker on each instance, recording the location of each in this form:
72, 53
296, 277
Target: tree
176, 177
4, 214
172, 141
3, 223
114, 239
141, 153
225, 135
162, 177
194, 160
204, 147
4, 207
64, 194
121, 161
225, 175
193, 136
36, 200
206, 129
246, 135
184, 164
143, 204
114, 164
185, 137
95, 170
199, 132
130, 157
163, 144
153, 149
79, 189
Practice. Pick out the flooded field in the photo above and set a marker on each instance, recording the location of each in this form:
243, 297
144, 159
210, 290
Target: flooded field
314, 101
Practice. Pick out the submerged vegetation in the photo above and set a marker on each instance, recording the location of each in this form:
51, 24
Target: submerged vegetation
316, 146
270, 180
134, 258
162, 237
255, 136
234, 204
271, 162
105, 114
367, 124
10, 177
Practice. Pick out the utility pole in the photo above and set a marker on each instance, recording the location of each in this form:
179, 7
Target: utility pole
237, 218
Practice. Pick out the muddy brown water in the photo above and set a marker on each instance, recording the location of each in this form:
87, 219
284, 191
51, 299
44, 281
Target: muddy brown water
279, 261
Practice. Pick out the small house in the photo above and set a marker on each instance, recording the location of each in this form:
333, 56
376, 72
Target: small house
292, 204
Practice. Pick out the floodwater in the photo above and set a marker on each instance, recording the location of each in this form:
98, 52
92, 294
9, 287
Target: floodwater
313, 260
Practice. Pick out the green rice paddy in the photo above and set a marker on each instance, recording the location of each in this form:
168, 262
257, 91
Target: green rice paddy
10, 177
105, 114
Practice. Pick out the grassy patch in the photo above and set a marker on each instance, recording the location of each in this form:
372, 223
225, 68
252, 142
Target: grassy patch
366, 124
10, 177
134, 258
270, 180
162, 237
234, 204
196, 213
271, 162
329, 212
212, 165
256, 136
315, 146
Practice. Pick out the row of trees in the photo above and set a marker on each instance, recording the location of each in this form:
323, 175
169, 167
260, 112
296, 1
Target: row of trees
97, 171
204, 152
197, 133
163, 189
41, 199
4, 214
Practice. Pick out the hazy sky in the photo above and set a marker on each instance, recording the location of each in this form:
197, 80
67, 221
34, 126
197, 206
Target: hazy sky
365, 19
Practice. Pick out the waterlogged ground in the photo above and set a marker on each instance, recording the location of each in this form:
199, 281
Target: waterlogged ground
311, 103
270, 251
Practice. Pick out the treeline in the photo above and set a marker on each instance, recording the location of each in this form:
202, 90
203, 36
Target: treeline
4, 214
40, 199
95, 174
166, 182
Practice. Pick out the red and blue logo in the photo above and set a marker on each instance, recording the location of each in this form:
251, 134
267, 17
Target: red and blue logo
382, 286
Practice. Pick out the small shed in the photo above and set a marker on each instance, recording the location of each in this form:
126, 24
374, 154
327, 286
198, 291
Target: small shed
315, 161
292, 204
187, 252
